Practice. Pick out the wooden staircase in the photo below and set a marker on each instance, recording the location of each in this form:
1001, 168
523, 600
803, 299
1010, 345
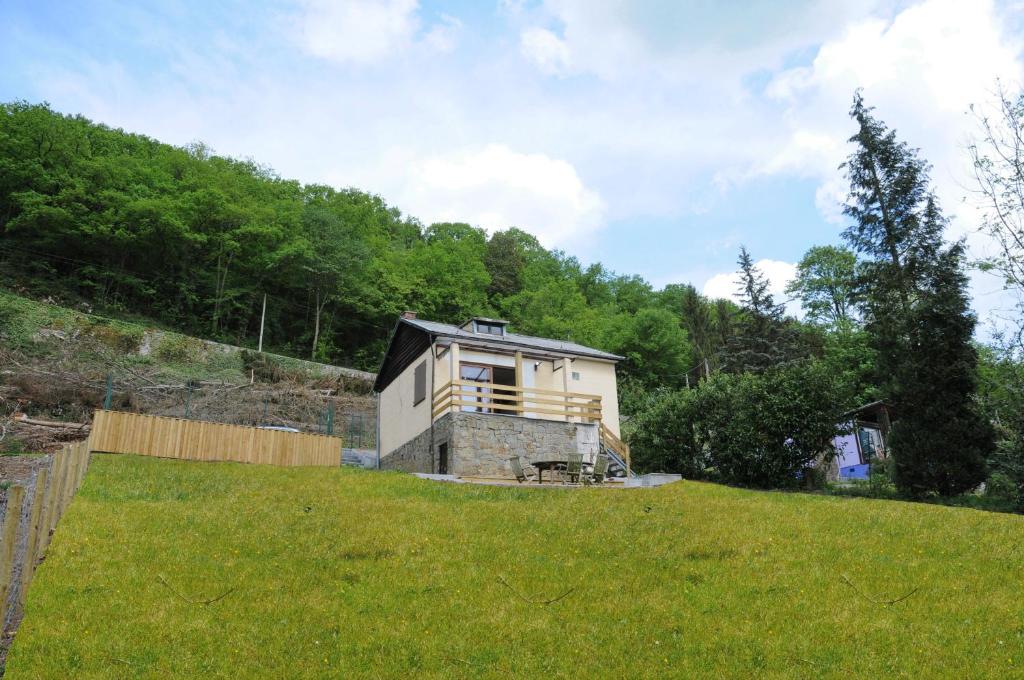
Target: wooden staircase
617, 450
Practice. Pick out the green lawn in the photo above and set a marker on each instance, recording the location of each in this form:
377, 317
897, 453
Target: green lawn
344, 573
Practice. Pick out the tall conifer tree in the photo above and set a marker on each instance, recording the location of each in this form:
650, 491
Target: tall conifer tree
917, 313
762, 338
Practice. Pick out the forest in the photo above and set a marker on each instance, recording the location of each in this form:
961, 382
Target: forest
106, 220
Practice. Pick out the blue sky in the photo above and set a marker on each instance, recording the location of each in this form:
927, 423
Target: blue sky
654, 136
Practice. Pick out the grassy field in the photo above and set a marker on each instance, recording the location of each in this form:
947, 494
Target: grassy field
347, 573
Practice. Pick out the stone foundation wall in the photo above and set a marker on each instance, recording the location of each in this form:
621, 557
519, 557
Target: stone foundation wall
417, 455
483, 443
480, 444
412, 456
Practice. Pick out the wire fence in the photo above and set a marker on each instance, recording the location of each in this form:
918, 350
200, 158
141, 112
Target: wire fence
47, 406
299, 407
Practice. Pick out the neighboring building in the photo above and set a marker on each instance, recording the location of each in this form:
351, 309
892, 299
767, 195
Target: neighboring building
868, 433
462, 400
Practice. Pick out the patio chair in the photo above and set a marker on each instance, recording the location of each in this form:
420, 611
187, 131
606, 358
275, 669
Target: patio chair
521, 472
600, 470
573, 468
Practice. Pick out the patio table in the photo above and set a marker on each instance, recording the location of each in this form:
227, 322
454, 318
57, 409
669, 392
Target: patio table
552, 463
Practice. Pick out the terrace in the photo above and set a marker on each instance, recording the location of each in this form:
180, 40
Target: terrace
469, 396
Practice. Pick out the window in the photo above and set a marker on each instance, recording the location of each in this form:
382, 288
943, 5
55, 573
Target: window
490, 328
420, 384
575, 375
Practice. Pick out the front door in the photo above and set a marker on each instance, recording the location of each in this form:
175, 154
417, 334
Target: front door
480, 374
442, 459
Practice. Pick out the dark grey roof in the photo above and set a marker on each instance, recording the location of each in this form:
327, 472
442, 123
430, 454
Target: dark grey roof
513, 340
412, 337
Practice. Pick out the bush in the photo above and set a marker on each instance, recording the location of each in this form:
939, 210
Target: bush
663, 434
762, 430
765, 430
1003, 487
880, 478
120, 338
179, 348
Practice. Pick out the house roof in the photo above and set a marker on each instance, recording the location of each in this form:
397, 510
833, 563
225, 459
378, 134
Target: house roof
412, 336
872, 408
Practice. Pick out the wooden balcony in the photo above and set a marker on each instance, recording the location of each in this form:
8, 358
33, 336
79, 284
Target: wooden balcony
480, 397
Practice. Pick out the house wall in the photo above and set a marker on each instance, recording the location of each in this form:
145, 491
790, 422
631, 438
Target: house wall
420, 454
400, 420
598, 377
443, 369
848, 453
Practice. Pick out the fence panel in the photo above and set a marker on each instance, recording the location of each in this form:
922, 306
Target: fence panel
31, 515
118, 432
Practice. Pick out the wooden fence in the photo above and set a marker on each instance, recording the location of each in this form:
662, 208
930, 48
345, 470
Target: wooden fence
32, 510
117, 432
30, 517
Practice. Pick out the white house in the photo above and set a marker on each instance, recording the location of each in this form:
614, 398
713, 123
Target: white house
464, 399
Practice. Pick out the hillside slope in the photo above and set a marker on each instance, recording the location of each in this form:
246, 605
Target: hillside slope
176, 569
55, 364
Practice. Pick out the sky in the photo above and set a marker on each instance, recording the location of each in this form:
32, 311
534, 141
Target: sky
654, 136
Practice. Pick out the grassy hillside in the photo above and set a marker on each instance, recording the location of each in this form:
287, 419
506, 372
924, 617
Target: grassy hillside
55, 363
346, 573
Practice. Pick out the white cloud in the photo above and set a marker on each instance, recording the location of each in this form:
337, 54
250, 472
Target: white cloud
357, 31
545, 49
615, 39
496, 187
690, 102
779, 273
921, 71
444, 35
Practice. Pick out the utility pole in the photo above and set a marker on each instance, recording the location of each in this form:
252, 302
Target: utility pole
263, 318
259, 348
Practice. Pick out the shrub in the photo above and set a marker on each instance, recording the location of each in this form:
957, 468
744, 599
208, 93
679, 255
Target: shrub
122, 339
179, 348
763, 430
1003, 487
663, 434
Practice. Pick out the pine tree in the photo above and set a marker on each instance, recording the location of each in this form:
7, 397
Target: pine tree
695, 314
941, 441
762, 337
916, 311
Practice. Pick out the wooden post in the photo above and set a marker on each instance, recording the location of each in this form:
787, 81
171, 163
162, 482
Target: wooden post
566, 367
453, 362
29, 564
454, 368
46, 514
521, 381
8, 537
64, 481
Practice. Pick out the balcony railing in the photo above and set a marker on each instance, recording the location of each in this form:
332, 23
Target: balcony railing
480, 397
